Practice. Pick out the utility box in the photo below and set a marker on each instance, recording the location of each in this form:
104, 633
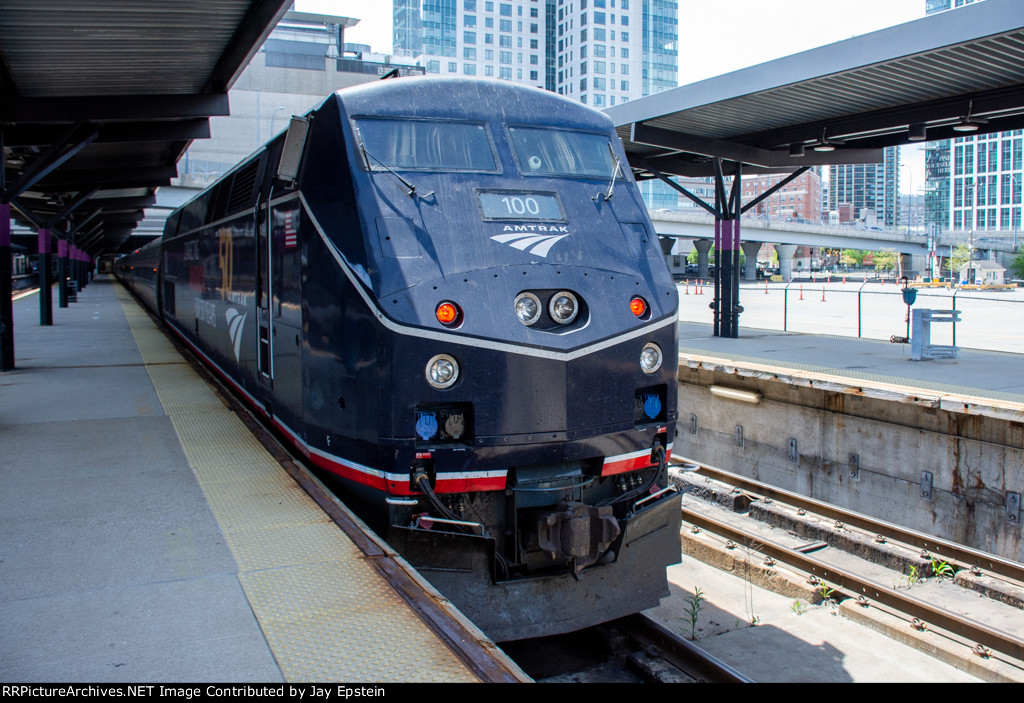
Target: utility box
921, 347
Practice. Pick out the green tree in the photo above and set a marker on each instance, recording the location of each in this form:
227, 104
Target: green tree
960, 256
885, 260
852, 257
1017, 265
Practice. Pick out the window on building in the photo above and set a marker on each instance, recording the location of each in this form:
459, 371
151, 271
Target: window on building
469, 69
469, 20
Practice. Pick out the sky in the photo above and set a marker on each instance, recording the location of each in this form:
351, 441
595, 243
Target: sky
715, 36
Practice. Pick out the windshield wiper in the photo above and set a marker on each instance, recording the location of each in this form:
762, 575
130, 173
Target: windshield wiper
615, 173
367, 155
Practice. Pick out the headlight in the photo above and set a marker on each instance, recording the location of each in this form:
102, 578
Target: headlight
442, 371
527, 306
650, 357
563, 307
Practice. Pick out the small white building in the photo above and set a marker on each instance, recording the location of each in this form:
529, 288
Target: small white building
982, 272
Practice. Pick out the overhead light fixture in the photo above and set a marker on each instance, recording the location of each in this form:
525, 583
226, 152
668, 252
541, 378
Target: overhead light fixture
917, 132
735, 394
796, 149
827, 144
965, 125
968, 123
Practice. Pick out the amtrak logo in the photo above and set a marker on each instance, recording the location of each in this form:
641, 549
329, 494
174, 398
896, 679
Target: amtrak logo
533, 239
236, 321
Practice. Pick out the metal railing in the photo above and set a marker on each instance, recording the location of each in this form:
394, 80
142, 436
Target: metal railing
989, 320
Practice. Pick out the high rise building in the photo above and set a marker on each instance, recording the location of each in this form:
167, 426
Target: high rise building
600, 52
407, 28
974, 182
869, 188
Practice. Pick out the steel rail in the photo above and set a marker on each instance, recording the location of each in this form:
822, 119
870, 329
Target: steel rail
958, 554
680, 653
998, 640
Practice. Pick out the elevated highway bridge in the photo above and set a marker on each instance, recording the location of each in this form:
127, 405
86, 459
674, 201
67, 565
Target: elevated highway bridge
699, 226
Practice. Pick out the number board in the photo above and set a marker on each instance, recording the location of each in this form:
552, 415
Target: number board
520, 205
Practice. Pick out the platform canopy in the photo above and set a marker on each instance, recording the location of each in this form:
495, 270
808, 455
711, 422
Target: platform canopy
840, 103
100, 98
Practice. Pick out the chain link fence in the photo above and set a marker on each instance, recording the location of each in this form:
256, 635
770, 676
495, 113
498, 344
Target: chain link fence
989, 320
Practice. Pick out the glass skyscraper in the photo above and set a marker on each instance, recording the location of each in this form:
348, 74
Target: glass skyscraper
974, 182
600, 52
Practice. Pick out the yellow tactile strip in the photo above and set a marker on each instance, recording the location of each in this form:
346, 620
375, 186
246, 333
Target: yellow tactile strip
327, 615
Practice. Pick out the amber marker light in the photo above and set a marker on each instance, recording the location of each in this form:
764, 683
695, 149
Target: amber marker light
448, 313
638, 306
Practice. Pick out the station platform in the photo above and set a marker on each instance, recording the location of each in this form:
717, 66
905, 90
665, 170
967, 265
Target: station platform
149, 536
990, 383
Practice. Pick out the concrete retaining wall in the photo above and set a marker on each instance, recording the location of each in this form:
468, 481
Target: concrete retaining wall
867, 449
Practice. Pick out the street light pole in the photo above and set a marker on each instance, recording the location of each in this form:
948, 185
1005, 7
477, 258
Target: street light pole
272, 120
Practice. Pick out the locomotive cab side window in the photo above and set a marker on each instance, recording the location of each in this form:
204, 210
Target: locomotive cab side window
426, 145
558, 152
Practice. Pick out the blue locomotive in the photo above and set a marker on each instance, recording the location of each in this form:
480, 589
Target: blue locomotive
448, 294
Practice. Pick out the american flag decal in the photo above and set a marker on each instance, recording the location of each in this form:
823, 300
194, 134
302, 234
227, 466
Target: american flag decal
291, 235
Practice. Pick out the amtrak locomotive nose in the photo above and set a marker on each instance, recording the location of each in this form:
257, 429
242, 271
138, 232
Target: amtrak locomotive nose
448, 294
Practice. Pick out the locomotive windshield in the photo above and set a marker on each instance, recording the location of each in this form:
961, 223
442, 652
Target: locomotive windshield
424, 145
553, 152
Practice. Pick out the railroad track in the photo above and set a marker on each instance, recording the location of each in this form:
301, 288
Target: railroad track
657, 644
633, 649
817, 528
